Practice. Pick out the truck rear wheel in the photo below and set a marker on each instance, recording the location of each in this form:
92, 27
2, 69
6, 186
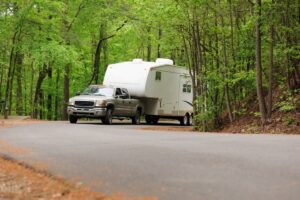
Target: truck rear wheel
73, 119
108, 117
137, 118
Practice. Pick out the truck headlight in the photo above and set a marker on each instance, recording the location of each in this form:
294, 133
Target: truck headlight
100, 103
71, 103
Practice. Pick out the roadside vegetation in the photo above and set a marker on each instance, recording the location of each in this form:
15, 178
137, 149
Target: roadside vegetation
243, 55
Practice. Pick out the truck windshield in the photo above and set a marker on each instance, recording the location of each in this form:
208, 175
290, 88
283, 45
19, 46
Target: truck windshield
98, 91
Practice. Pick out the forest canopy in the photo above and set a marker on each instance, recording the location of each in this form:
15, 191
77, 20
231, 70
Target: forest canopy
234, 49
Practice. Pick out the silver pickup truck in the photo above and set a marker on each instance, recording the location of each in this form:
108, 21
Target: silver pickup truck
105, 103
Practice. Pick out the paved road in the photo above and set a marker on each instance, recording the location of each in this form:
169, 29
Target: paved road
170, 166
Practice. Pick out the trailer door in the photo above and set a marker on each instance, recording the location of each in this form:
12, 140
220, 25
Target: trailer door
185, 96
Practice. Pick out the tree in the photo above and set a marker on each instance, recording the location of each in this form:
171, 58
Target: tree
261, 99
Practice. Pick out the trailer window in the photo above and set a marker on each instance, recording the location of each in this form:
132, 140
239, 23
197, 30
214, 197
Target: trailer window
158, 76
187, 88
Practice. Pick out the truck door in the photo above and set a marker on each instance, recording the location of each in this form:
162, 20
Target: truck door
127, 103
119, 107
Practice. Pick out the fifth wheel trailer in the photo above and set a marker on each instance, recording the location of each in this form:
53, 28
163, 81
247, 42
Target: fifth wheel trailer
164, 89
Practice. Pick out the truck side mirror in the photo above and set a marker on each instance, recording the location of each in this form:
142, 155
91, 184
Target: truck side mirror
78, 93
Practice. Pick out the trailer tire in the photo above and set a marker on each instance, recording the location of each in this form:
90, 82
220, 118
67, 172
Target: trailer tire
155, 119
108, 117
150, 119
137, 118
184, 121
73, 119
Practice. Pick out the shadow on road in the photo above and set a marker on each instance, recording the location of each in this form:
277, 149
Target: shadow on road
128, 123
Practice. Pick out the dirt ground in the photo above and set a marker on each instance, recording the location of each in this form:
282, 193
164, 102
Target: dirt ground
20, 181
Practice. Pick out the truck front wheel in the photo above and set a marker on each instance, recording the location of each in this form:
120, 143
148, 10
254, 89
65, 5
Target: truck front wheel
108, 117
73, 119
137, 118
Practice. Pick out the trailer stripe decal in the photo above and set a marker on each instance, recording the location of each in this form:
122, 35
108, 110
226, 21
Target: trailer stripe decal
188, 103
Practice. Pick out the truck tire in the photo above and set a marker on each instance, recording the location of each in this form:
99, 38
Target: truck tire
137, 118
108, 117
73, 119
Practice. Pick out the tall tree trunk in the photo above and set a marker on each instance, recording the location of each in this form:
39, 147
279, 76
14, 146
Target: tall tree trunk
233, 57
105, 59
97, 61
261, 100
269, 114
49, 99
57, 95
41, 104
159, 42
25, 90
19, 63
217, 61
31, 91
68, 26
9, 77
66, 90
149, 47
37, 95
10, 100
225, 74
2, 76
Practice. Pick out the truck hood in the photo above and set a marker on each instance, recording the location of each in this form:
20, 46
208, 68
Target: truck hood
89, 98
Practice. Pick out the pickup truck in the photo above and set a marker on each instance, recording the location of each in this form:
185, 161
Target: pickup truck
105, 103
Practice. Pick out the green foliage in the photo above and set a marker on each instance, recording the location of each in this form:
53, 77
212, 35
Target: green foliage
55, 33
289, 102
289, 121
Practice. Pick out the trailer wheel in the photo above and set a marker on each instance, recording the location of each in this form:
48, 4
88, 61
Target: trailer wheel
151, 119
108, 117
155, 120
190, 120
184, 121
137, 118
73, 119
148, 119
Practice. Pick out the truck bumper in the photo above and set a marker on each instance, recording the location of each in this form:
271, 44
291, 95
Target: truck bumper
86, 112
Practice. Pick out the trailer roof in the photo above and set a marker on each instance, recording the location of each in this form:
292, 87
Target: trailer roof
140, 64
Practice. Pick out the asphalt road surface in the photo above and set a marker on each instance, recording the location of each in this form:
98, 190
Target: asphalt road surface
168, 165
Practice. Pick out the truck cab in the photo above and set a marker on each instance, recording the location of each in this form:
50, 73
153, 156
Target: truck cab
104, 103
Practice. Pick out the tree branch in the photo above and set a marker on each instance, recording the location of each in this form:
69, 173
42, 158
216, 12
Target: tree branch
81, 6
113, 35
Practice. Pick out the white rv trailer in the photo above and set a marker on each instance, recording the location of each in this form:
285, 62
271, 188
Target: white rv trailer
164, 89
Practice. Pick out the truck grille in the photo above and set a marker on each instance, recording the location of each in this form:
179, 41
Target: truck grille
84, 103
